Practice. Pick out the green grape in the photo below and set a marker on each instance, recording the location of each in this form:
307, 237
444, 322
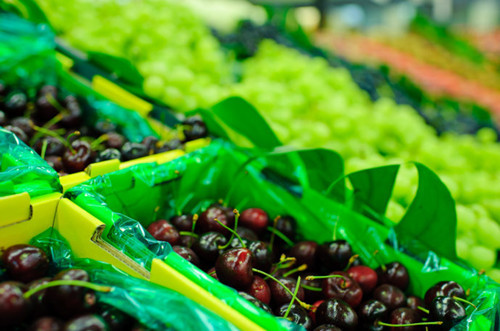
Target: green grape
481, 257
494, 274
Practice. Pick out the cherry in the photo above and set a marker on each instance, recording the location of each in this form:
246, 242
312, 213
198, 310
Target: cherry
337, 312
86, 323
395, 274
371, 310
344, 288
207, 246
187, 241
131, 151
304, 252
390, 295
20, 134
334, 255
260, 290
262, 257
45, 109
105, 126
194, 128
207, 221
234, 268
212, 273
255, 219
74, 118
256, 302
446, 289
447, 310
24, 124
68, 300
37, 299
164, 231
246, 233
80, 158
54, 146
297, 314
46, 324
16, 104
279, 295
405, 315
188, 254
311, 295
114, 318
14, 308
108, 154
25, 263
414, 302
314, 307
166, 146
115, 140
182, 222
236, 242
3, 118
327, 327
150, 142
288, 226
365, 276
55, 162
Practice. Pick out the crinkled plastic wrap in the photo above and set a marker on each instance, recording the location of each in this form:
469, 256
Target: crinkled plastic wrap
23, 170
191, 183
154, 306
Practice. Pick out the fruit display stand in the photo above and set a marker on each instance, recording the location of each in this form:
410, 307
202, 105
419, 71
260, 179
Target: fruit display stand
194, 181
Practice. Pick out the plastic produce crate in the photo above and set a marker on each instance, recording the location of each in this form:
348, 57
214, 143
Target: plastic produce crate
195, 180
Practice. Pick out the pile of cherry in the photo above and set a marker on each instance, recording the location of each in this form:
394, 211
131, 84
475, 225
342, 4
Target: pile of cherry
31, 300
52, 123
335, 292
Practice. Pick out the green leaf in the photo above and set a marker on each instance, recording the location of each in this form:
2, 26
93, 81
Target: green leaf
240, 116
431, 217
373, 187
119, 67
28, 9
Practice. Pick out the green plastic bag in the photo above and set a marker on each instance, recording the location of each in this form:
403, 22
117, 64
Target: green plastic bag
238, 177
23, 170
154, 306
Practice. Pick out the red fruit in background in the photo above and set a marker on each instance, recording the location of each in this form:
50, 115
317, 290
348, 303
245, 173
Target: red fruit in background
337, 312
344, 288
260, 290
164, 231
14, 308
279, 295
312, 312
395, 274
305, 253
365, 276
254, 218
234, 268
207, 223
182, 222
188, 254
391, 296
25, 262
445, 289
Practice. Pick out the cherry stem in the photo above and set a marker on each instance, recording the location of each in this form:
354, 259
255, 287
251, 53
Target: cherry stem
351, 261
277, 232
312, 288
303, 304
343, 285
294, 296
382, 266
55, 103
95, 287
464, 301
233, 232
299, 268
423, 309
195, 219
51, 133
99, 140
47, 126
187, 233
44, 148
236, 218
271, 240
410, 324
285, 262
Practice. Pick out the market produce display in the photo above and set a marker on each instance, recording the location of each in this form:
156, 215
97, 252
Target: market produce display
315, 285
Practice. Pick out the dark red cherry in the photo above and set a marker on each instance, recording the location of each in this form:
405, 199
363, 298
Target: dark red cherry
394, 274
188, 254
256, 302
37, 299
74, 117
14, 308
297, 314
447, 310
25, 262
115, 318
207, 221
24, 124
15, 104
327, 327
288, 226
405, 316
67, 301
234, 268
337, 312
79, 159
187, 241
182, 222
371, 310
20, 134
212, 273
365, 276
312, 295
55, 162
132, 151
164, 231
260, 290
46, 324
391, 296
255, 219
165, 146
414, 302
150, 142
105, 126
194, 128
246, 233
333, 255
207, 246
3, 118
115, 140
280, 296
108, 154
344, 288
86, 323
262, 257
54, 146
305, 253
444, 289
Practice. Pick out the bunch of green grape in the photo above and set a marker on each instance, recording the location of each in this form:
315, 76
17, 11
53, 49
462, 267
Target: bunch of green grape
310, 104
180, 60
